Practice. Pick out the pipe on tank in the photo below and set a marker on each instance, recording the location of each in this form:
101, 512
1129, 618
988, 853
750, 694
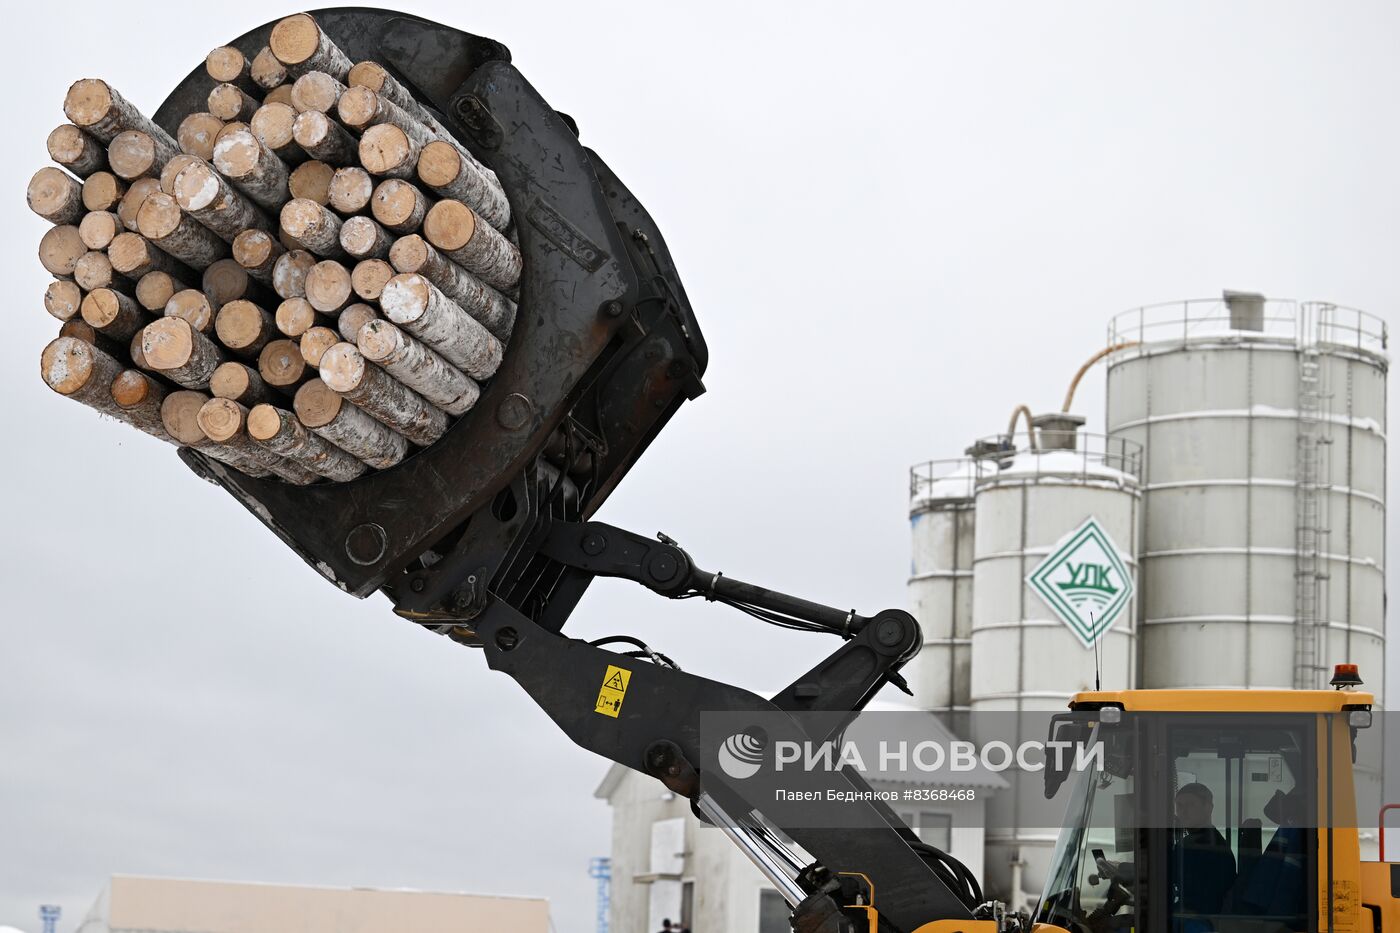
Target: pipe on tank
1022, 411
1088, 364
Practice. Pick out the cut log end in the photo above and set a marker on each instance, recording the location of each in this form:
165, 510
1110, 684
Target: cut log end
449, 225
103, 190
226, 64
63, 299
385, 149
440, 164
179, 413
328, 286
316, 404
281, 364
311, 181
315, 342
55, 195
370, 276
221, 419
60, 248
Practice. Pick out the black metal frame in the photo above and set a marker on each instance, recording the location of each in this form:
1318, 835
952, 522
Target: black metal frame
484, 536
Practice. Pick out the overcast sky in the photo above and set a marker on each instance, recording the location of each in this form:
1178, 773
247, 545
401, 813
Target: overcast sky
895, 223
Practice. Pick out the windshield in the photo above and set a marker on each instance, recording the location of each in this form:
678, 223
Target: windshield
1091, 875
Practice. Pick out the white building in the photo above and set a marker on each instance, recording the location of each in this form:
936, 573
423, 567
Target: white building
667, 865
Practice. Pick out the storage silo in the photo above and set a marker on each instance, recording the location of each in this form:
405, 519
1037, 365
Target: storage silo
942, 527
1062, 505
1263, 541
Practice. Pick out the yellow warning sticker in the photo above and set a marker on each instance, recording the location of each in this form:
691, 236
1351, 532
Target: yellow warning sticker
614, 689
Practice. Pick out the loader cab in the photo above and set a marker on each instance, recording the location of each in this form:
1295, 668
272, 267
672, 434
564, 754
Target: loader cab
1228, 811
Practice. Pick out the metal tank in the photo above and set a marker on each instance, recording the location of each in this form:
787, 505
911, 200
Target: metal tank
942, 527
1263, 541
1031, 509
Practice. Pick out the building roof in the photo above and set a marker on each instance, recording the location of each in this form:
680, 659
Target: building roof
182, 905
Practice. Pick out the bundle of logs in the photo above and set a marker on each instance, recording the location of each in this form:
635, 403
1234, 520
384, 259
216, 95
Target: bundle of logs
311, 278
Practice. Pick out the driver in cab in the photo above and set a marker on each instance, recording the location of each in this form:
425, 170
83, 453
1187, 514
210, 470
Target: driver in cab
1202, 865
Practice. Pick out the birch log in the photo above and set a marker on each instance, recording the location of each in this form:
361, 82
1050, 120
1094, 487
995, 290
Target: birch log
323, 138
229, 102
316, 91
60, 248
85, 332
452, 227
369, 277
197, 133
352, 319
301, 46
446, 169
193, 307
179, 414
139, 397
289, 273
416, 305
241, 383
253, 168
155, 289
98, 110
328, 286
134, 256
228, 65
244, 327
99, 228
172, 171
350, 190
257, 252
224, 421
82, 372
313, 226
315, 342
55, 195
417, 367
495, 311
134, 154
280, 432
345, 370
113, 314
349, 428
399, 205
177, 351
280, 364
362, 238
129, 203
163, 223
63, 299
103, 191
273, 124
76, 151
387, 150
207, 197
266, 71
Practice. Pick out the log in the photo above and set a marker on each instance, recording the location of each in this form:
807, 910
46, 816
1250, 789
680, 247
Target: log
345, 370
76, 151
313, 226
328, 286
230, 102
207, 197
266, 71
282, 94
417, 367
273, 125
257, 251
349, 428
399, 205
177, 351
94, 270
315, 342
103, 191
172, 171
197, 133
113, 314
138, 355
228, 65
98, 110
134, 154
387, 150
301, 46
129, 204
179, 414
418, 306
289, 273
362, 238
352, 319
55, 195
224, 421
360, 108
452, 227
311, 180
134, 256
193, 307
155, 289
139, 397
350, 190
369, 277
244, 327
60, 248
316, 91
63, 299
281, 366
374, 76
323, 138
82, 372
447, 170
493, 310
163, 223
280, 432
99, 229
226, 281
241, 383
85, 332
294, 317
253, 168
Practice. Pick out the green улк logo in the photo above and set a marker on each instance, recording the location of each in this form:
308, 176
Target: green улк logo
1084, 581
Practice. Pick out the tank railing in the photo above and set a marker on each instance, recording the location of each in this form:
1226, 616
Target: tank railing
1094, 456
1302, 323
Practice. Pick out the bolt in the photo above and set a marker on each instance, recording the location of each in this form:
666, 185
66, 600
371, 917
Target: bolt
889, 632
507, 639
613, 309
418, 585
663, 567
593, 544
